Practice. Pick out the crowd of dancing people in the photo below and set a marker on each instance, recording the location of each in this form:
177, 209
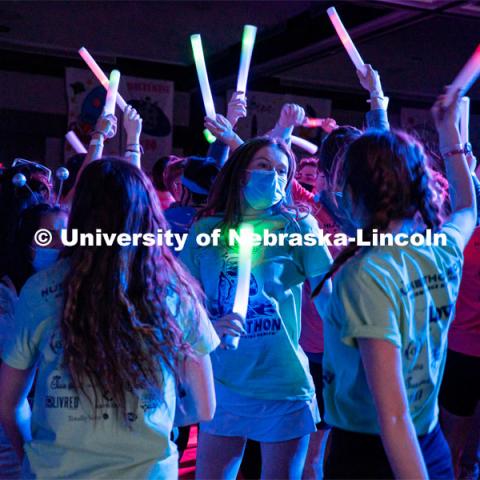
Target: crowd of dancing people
352, 362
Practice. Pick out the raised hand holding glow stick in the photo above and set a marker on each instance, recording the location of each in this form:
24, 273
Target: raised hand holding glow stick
309, 147
75, 142
464, 119
346, 40
240, 303
197, 48
98, 72
248, 41
465, 79
112, 91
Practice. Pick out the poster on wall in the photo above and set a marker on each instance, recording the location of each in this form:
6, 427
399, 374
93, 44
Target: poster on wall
153, 99
419, 123
264, 110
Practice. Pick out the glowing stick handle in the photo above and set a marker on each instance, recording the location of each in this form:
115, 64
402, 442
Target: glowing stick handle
112, 92
309, 147
248, 41
464, 119
346, 40
197, 48
98, 72
464, 80
313, 122
75, 142
240, 303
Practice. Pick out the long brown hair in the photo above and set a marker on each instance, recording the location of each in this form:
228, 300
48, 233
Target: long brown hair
226, 194
117, 326
386, 173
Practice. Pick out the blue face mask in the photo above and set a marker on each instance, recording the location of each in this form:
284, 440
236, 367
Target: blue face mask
264, 189
44, 258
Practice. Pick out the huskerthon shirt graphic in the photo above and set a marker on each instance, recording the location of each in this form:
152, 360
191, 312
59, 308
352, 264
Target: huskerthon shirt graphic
268, 363
262, 314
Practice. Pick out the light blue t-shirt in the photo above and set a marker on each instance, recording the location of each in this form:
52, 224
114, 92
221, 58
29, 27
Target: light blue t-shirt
406, 296
269, 362
70, 438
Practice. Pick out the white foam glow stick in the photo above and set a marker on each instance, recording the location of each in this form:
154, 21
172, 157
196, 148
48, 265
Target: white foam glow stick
346, 40
202, 75
98, 72
305, 144
248, 41
464, 80
464, 119
112, 92
240, 303
75, 142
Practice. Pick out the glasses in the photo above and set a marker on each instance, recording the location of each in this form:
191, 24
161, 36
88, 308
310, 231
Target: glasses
21, 162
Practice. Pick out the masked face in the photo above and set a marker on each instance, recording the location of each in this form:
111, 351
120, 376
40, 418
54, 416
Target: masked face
306, 186
44, 257
307, 177
264, 189
267, 177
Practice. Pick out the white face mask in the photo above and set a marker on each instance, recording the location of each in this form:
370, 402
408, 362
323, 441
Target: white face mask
44, 258
264, 189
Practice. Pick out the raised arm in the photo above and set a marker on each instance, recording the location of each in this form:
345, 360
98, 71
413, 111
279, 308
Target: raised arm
291, 116
222, 129
383, 367
237, 108
106, 127
377, 116
132, 122
462, 195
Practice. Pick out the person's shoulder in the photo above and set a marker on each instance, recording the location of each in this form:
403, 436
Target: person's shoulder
307, 222
48, 281
207, 223
366, 266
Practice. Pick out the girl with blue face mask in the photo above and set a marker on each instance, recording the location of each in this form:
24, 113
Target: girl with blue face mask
22, 259
264, 389
26, 257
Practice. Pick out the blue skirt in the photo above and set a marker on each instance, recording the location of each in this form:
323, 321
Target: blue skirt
261, 420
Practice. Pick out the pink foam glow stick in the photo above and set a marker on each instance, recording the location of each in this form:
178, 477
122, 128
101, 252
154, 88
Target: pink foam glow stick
309, 147
464, 80
346, 40
98, 72
75, 142
313, 122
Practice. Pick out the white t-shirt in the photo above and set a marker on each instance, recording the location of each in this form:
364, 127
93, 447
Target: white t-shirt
406, 296
71, 439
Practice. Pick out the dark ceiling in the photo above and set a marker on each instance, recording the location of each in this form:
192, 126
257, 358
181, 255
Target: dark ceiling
418, 46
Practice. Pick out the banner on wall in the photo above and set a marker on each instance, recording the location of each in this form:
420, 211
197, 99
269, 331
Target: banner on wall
153, 99
264, 110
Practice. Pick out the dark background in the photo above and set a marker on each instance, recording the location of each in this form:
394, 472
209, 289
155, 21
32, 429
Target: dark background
418, 46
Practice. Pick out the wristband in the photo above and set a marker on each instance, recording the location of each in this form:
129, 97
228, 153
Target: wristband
96, 142
99, 132
136, 145
136, 152
456, 147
